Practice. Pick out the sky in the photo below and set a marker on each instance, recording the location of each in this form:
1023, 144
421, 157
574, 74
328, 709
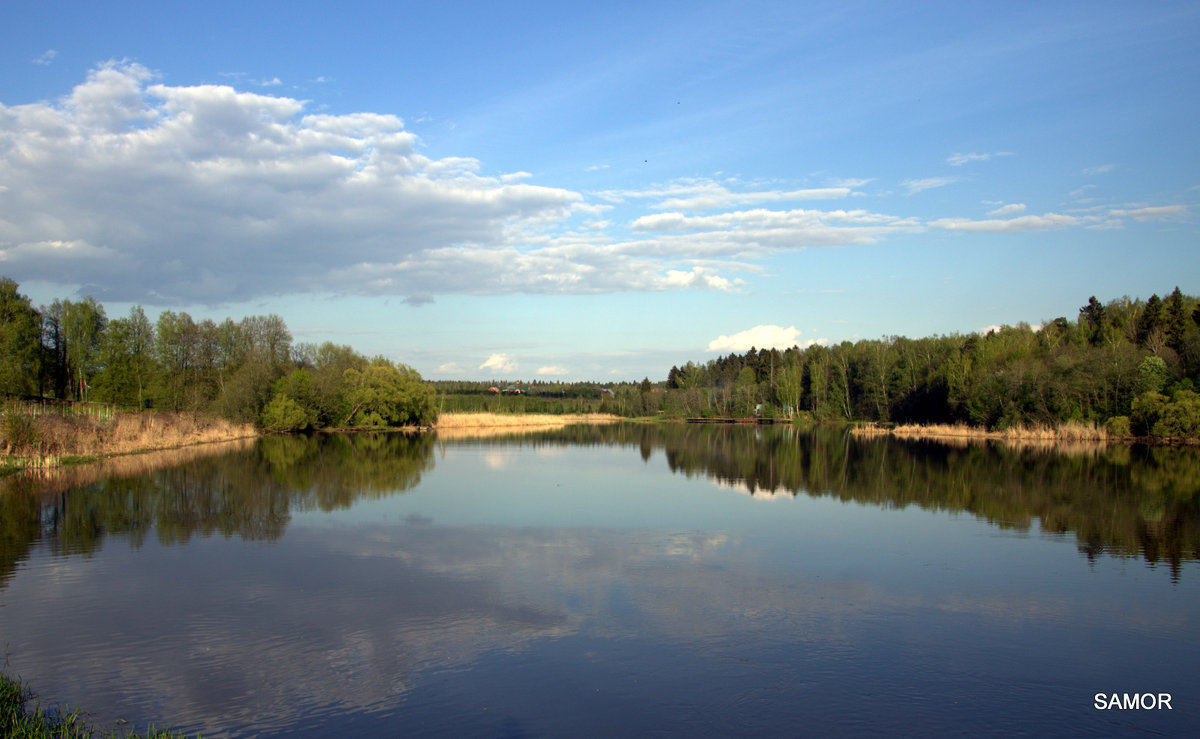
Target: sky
576, 191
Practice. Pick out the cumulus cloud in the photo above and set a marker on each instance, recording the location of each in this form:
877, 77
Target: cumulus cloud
1008, 210
552, 370
760, 337
500, 363
209, 194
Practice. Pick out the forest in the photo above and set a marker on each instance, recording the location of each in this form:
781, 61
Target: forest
245, 371
1131, 366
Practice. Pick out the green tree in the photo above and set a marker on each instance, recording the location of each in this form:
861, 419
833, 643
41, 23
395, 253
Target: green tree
386, 394
1150, 323
20, 342
1152, 375
1180, 417
83, 325
127, 360
1092, 316
1146, 411
1175, 320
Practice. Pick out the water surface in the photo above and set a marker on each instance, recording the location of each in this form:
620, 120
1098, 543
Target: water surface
613, 580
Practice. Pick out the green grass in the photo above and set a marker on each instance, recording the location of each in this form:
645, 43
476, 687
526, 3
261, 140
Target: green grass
22, 717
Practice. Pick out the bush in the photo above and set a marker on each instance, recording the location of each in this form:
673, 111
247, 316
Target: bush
1180, 417
1147, 408
19, 433
285, 414
1118, 426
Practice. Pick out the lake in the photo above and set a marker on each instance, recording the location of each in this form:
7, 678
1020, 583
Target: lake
612, 580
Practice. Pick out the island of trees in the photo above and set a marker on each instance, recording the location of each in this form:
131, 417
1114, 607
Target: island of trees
1130, 366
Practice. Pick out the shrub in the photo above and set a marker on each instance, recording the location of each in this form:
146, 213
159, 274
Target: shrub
1118, 426
1147, 408
285, 414
19, 433
1180, 417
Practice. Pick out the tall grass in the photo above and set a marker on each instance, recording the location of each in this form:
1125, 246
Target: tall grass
1062, 436
22, 717
481, 425
46, 439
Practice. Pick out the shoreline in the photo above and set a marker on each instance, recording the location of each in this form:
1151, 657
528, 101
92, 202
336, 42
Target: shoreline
1066, 435
53, 441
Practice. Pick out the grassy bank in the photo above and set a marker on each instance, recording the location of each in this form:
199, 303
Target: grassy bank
22, 717
52, 440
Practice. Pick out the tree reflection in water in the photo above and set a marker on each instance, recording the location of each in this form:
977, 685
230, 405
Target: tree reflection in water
1120, 501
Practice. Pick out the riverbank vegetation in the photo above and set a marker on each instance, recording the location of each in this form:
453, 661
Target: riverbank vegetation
23, 717
38, 434
246, 372
1128, 367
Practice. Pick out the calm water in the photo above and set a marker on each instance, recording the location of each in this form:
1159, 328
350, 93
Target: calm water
613, 581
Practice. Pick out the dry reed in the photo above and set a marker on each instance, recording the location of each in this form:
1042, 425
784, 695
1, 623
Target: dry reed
1068, 436
448, 421
53, 437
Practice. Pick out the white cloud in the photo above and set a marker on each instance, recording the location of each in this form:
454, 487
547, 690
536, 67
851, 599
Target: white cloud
747, 232
1151, 212
1008, 210
707, 194
1023, 224
46, 58
208, 194
958, 160
450, 368
761, 337
927, 183
500, 363
1091, 171
553, 370
852, 182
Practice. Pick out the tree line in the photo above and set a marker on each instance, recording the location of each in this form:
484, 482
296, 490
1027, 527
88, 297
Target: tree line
1131, 364
247, 371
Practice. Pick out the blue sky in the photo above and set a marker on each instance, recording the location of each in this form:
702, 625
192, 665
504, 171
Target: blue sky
544, 191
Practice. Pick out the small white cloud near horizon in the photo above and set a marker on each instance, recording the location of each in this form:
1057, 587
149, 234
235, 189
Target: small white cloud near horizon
500, 363
553, 369
1008, 210
759, 337
46, 58
450, 367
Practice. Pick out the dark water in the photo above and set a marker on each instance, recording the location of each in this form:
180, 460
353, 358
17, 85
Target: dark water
612, 581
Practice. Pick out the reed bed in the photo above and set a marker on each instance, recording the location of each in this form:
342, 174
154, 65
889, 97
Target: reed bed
448, 421
1068, 436
46, 440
